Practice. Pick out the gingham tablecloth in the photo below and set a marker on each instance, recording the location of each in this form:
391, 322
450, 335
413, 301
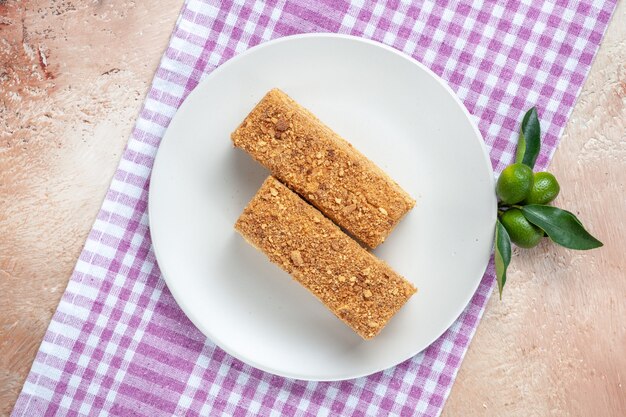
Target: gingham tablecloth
119, 344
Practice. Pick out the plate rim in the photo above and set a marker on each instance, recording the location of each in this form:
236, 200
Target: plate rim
224, 67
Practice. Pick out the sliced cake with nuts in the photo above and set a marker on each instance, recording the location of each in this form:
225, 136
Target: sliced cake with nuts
357, 287
323, 168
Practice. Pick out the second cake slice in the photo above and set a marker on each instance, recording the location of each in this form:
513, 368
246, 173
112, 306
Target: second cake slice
357, 287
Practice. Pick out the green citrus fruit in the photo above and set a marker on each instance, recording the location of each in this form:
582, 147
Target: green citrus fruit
545, 189
521, 231
514, 183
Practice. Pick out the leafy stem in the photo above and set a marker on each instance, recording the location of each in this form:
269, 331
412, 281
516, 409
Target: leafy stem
561, 226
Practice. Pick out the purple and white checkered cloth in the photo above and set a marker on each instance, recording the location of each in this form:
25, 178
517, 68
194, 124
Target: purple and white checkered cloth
119, 345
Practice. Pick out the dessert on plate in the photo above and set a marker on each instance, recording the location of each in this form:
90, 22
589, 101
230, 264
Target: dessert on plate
323, 168
360, 289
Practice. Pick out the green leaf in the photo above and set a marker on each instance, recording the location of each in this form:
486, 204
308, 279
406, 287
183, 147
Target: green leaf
503, 255
521, 148
561, 226
529, 142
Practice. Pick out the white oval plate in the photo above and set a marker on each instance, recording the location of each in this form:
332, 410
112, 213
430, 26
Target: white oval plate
399, 114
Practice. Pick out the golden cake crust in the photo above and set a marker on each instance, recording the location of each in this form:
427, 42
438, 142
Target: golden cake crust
323, 168
357, 287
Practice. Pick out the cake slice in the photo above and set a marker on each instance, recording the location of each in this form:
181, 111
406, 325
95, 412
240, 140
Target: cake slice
357, 287
323, 168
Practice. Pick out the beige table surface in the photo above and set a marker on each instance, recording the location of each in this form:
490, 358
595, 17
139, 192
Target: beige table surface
72, 77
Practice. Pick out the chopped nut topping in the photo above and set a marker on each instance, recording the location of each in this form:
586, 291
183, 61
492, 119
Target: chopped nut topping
296, 257
382, 210
367, 294
282, 125
274, 192
349, 209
